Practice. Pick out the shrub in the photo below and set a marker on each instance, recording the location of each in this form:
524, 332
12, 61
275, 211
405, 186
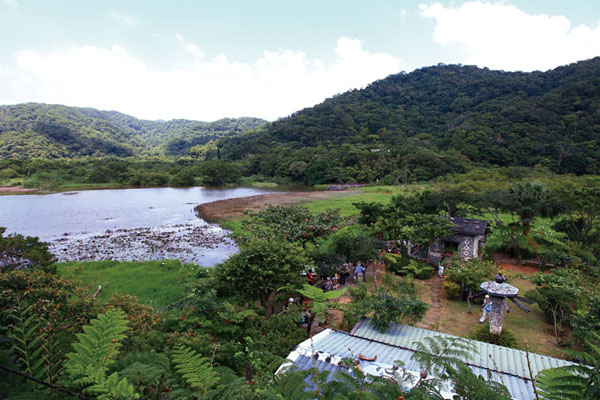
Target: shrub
183, 178
452, 290
506, 338
416, 269
22, 252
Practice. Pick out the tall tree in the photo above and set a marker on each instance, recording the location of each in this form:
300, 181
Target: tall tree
260, 270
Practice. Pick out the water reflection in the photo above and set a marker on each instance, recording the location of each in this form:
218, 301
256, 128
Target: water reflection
124, 224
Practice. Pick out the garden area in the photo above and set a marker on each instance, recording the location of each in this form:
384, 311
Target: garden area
222, 332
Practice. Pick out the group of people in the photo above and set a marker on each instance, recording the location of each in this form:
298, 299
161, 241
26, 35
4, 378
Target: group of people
357, 271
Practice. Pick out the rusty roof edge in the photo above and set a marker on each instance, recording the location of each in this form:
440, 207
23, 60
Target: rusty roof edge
358, 325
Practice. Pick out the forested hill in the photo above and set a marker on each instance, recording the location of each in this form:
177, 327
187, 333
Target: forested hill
437, 119
53, 131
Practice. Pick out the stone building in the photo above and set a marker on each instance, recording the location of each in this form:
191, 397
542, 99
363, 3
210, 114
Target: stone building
467, 241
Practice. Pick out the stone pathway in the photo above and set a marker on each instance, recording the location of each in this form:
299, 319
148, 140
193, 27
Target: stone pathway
432, 318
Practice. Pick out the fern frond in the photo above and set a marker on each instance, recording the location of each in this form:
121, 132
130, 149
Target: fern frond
196, 370
560, 383
439, 353
98, 345
114, 388
25, 333
95, 351
289, 385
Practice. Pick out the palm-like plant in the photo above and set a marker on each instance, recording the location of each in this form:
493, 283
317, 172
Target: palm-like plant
576, 382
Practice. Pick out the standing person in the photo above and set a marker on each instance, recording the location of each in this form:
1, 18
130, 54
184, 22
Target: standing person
358, 270
486, 308
336, 280
344, 272
311, 278
364, 272
440, 269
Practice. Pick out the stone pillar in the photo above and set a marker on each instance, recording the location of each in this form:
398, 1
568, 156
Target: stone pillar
496, 316
436, 247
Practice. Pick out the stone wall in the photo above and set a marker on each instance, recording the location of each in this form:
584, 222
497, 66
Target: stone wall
468, 247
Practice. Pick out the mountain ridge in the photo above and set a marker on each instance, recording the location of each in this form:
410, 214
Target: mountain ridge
475, 114
32, 130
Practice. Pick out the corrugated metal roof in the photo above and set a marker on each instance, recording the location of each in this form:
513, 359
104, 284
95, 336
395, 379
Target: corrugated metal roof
507, 360
331, 346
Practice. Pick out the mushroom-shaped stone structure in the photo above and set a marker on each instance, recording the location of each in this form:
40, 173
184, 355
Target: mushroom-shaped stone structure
499, 291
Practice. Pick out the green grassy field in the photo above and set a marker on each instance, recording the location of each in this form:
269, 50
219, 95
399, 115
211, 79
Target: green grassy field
533, 327
155, 283
379, 194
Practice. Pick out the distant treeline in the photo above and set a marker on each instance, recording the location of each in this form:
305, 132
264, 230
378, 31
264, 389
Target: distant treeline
114, 171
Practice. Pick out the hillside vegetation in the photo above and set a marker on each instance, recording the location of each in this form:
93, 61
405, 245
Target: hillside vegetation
56, 131
437, 120
432, 122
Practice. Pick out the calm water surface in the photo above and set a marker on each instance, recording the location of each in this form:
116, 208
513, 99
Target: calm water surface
74, 221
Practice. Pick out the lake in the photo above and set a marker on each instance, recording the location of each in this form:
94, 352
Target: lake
124, 224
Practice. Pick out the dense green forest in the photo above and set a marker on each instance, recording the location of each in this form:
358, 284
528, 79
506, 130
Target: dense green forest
437, 120
56, 131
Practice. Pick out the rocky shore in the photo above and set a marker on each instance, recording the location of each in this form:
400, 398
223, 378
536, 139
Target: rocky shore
195, 241
200, 243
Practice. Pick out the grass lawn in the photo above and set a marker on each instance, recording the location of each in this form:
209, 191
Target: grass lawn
369, 194
531, 326
155, 283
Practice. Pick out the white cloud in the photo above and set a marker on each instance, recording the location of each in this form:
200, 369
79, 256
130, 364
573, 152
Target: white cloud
11, 3
189, 47
500, 36
129, 20
276, 84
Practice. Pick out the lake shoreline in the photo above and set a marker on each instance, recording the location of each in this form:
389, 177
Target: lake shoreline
17, 190
215, 211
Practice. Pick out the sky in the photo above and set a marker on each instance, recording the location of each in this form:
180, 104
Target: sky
207, 60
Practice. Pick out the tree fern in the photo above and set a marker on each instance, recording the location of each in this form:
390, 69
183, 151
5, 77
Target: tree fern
95, 351
574, 381
439, 353
53, 358
561, 383
149, 372
27, 340
288, 385
196, 370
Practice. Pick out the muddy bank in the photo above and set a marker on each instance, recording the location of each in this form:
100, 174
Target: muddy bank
216, 210
16, 190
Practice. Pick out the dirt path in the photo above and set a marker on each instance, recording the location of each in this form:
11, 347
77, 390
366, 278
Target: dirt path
432, 318
335, 316
216, 210
510, 264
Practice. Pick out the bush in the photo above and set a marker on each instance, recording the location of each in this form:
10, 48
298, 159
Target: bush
452, 290
414, 268
506, 338
425, 272
22, 252
183, 179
